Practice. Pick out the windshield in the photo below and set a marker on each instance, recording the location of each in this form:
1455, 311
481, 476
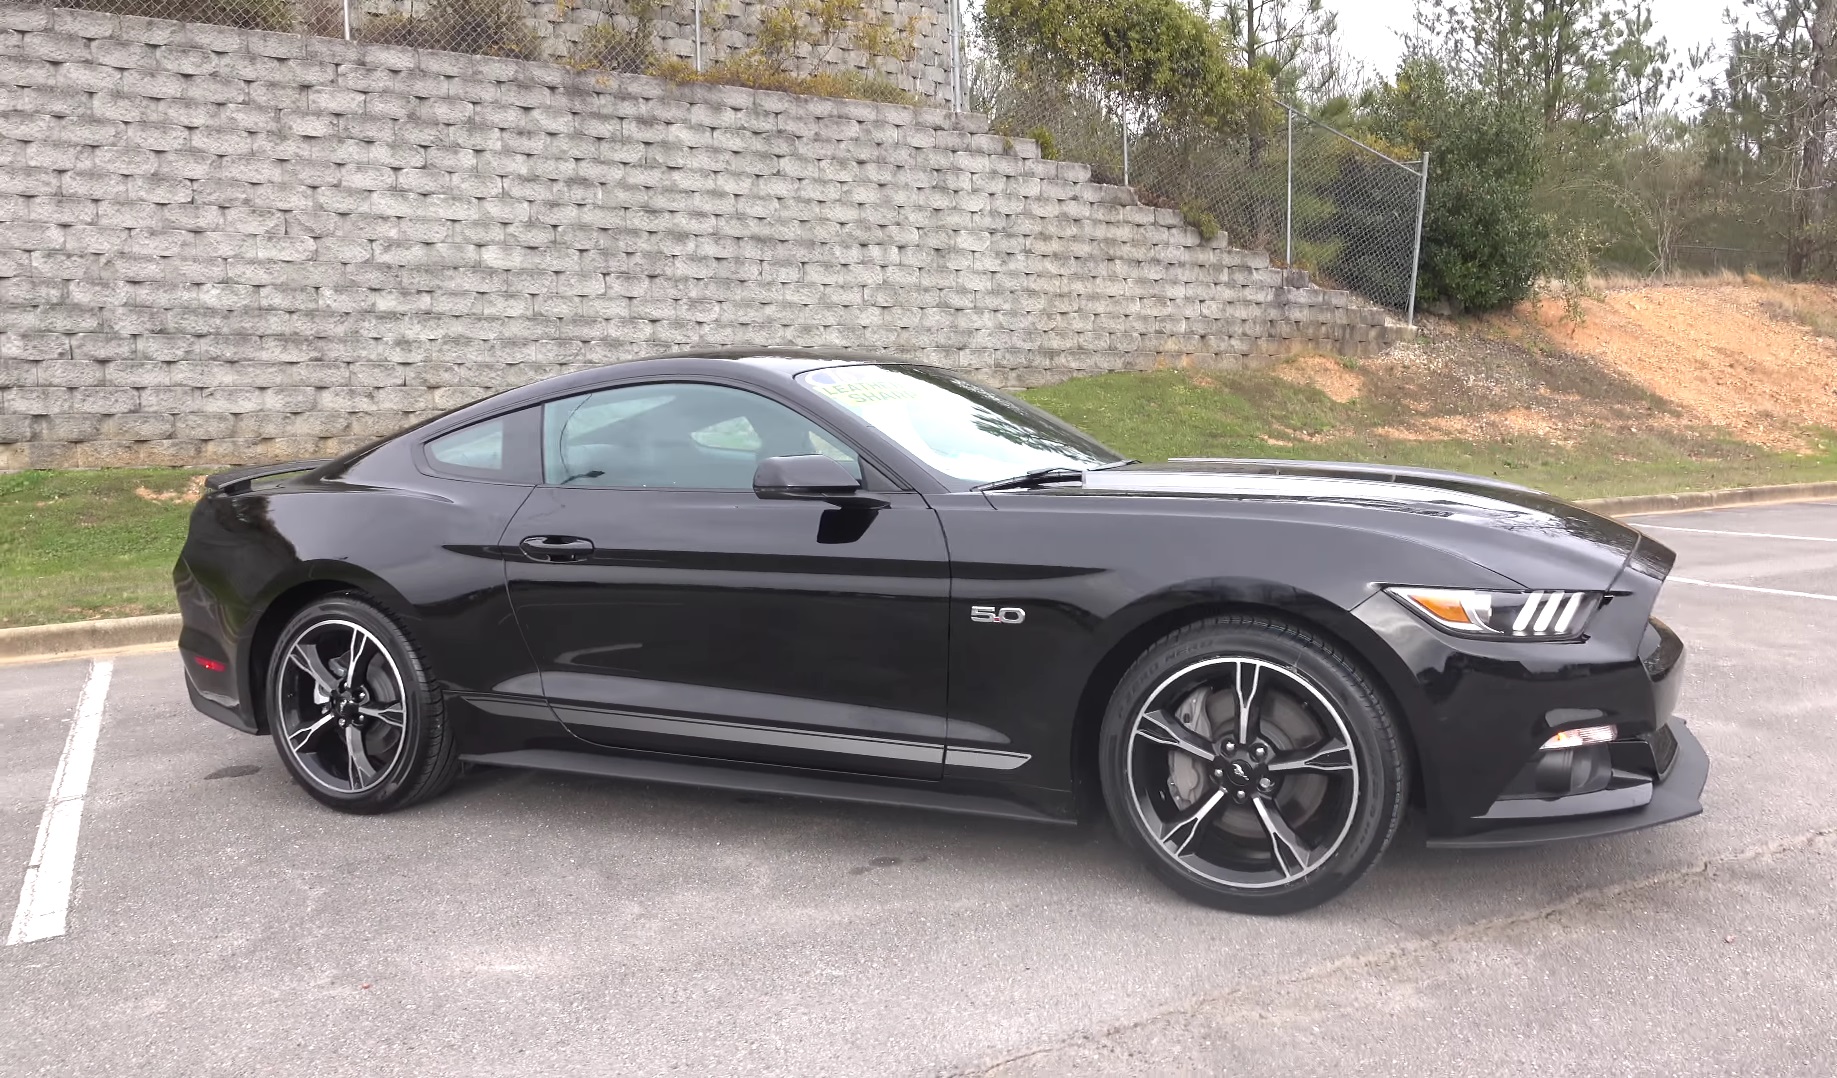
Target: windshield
961, 429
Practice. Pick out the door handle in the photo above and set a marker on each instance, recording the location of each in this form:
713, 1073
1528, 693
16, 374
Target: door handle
556, 548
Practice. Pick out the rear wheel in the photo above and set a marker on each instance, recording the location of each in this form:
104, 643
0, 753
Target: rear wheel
354, 714
1253, 764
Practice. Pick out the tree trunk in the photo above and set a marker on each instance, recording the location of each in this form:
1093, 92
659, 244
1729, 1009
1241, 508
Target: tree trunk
1814, 170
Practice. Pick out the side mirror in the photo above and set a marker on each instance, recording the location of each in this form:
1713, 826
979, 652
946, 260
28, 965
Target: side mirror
810, 477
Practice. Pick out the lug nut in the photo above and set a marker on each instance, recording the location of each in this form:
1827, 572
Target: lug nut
1230, 746
1264, 784
1240, 795
1219, 775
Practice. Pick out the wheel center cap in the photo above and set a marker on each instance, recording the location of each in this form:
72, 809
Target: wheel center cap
1241, 772
1243, 767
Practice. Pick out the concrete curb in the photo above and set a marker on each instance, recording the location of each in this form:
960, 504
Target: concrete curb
43, 642
1636, 504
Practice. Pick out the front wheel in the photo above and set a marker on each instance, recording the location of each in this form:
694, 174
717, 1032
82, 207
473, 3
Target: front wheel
356, 717
1253, 764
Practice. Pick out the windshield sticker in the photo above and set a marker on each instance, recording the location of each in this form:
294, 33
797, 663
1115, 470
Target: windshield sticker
862, 394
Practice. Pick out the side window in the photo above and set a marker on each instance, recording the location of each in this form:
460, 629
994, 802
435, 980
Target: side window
674, 435
501, 450
478, 448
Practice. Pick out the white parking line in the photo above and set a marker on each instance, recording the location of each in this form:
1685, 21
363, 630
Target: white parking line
1744, 535
1750, 587
44, 899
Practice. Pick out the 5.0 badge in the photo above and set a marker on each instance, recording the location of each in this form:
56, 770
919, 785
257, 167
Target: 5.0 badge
1005, 615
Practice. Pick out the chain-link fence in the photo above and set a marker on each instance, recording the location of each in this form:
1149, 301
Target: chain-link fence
1703, 258
1311, 196
892, 50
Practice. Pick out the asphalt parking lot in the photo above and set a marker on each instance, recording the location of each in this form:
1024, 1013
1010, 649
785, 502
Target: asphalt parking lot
222, 923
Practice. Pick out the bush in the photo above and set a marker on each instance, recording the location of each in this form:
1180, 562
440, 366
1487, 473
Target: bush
1049, 146
820, 28
1201, 219
1157, 58
815, 29
1483, 244
757, 76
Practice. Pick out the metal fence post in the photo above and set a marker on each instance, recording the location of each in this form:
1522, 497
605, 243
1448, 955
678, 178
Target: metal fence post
1422, 199
698, 36
956, 56
1288, 212
1337, 206
347, 19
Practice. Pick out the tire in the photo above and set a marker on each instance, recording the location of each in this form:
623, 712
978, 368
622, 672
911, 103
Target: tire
1276, 823
393, 717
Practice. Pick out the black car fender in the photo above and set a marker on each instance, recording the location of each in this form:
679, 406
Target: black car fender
1124, 636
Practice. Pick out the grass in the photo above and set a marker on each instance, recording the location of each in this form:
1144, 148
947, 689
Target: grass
1165, 414
79, 545
1809, 305
97, 544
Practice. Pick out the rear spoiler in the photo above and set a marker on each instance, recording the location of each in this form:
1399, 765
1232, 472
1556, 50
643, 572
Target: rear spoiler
236, 480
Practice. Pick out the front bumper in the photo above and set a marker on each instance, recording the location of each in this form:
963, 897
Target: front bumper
1672, 795
1480, 712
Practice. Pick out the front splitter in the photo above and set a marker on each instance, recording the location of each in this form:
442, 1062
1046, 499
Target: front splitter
1679, 797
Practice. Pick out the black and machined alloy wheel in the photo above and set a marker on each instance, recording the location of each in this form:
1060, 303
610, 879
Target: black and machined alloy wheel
354, 713
1254, 764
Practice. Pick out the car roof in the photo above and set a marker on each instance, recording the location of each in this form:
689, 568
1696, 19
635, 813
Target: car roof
780, 362
785, 360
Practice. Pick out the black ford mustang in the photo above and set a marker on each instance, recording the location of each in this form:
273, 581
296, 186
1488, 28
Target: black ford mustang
849, 577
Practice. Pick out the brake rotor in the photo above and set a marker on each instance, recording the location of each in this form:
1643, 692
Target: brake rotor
1283, 723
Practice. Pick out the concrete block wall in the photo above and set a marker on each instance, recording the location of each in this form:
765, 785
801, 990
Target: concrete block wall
225, 246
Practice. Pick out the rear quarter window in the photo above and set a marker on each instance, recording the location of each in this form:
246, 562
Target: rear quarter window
503, 450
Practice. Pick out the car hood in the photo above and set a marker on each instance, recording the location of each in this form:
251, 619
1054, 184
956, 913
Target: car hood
1532, 538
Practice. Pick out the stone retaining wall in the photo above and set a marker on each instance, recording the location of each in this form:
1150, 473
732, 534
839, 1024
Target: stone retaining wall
223, 245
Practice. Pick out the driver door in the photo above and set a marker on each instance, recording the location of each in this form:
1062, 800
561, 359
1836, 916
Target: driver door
670, 609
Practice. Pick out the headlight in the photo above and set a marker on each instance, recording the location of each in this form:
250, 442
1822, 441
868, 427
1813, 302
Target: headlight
1533, 615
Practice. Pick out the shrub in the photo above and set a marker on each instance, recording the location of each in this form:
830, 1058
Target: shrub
820, 27
1201, 219
1483, 244
816, 29
1049, 147
852, 84
1155, 58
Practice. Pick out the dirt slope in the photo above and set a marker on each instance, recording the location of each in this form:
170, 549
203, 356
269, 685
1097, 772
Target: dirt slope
1747, 357
1744, 360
